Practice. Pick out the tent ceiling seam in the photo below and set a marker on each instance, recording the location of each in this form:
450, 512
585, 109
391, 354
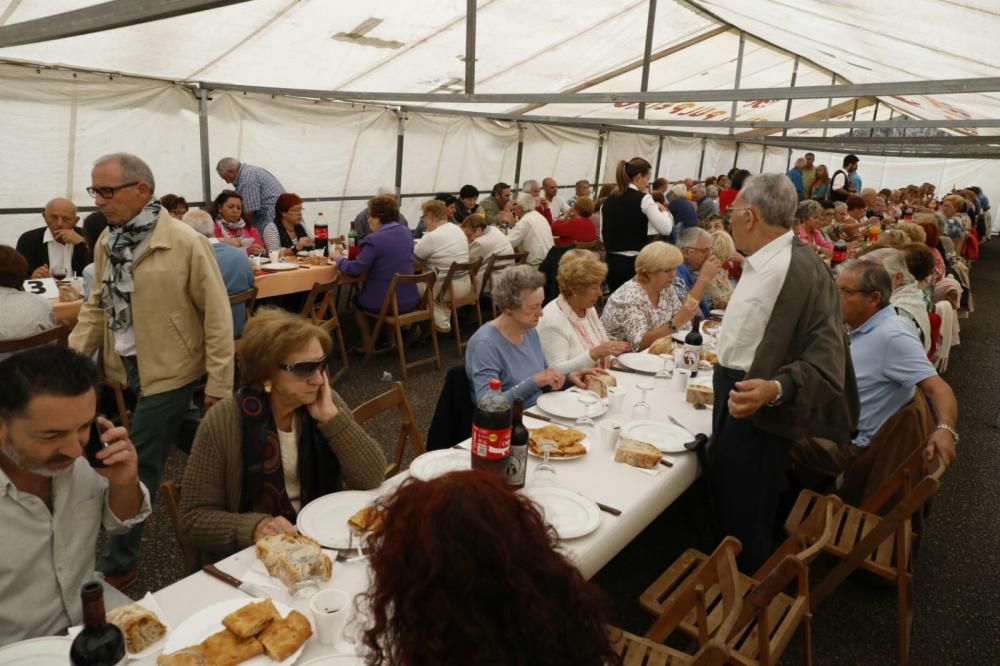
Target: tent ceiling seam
244, 40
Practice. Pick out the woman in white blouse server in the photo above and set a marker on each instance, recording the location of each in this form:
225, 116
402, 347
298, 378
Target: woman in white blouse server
573, 337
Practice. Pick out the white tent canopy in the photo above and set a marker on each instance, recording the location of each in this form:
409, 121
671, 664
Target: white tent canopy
293, 83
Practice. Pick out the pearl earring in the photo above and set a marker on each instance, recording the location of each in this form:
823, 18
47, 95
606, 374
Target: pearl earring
267, 387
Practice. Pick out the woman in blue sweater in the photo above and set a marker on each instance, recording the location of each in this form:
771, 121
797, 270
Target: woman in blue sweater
509, 349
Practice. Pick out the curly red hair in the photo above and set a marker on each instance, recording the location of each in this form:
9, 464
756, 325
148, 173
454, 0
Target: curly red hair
465, 571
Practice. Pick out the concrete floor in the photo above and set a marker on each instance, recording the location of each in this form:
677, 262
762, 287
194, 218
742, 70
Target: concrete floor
957, 593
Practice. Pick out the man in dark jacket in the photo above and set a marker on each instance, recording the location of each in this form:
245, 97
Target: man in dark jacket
57, 245
783, 371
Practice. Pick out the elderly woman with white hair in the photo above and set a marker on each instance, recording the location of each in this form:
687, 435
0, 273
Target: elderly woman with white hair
236, 271
810, 218
509, 348
646, 308
531, 232
906, 295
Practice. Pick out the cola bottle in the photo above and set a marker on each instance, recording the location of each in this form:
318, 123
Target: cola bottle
517, 461
100, 643
839, 253
321, 233
692, 347
491, 431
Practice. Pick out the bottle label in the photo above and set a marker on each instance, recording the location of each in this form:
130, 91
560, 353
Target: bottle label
490, 444
516, 467
321, 232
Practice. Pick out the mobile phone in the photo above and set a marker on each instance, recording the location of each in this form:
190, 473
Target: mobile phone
94, 444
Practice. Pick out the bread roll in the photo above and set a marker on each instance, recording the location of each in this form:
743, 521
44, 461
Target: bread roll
699, 394
282, 638
637, 454
594, 384
140, 626
293, 558
663, 345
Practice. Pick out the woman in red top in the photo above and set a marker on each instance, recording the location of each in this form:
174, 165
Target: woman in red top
726, 197
580, 229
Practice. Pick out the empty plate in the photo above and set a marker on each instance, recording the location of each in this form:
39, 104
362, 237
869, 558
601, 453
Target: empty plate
325, 518
433, 464
571, 514
567, 404
280, 266
667, 437
642, 362
48, 651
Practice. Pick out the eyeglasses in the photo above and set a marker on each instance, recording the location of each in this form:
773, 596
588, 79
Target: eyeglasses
108, 192
847, 292
304, 369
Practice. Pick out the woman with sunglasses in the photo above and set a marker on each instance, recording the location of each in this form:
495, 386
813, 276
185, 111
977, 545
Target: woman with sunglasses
284, 439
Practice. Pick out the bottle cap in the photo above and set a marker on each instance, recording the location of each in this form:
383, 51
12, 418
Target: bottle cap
495, 384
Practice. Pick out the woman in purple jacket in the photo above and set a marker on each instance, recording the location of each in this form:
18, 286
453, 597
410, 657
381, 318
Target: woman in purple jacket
387, 250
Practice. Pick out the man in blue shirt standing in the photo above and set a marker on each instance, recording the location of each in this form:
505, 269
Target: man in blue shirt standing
699, 268
258, 187
795, 175
890, 364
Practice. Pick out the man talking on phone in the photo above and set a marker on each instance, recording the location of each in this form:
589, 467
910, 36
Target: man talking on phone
53, 500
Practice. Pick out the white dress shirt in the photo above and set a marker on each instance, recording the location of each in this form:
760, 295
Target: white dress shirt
532, 234
47, 556
60, 254
752, 302
557, 206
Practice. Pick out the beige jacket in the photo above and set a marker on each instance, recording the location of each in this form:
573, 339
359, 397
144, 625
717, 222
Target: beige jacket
180, 312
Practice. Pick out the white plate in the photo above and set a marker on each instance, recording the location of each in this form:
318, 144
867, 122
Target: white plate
667, 437
717, 313
642, 362
585, 442
335, 660
208, 621
325, 518
47, 651
280, 266
572, 515
567, 405
703, 379
433, 464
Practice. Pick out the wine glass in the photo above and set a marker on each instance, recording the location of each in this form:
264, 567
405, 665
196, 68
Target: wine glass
663, 372
59, 273
545, 474
641, 410
586, 398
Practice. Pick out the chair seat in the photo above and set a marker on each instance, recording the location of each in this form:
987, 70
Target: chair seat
852, 525
638, 651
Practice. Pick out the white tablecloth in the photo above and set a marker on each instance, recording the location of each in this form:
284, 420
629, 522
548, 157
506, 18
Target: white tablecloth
640, 496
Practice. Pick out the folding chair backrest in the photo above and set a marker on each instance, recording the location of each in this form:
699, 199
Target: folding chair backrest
319, 301
426, 278
58, 334
470, 267
394, 398
806, 539
170, 491
247, 298
497, 262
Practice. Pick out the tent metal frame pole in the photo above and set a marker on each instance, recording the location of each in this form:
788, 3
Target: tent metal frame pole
400, 131
736, 154
701, 160
646, 54
517, 161
206, 174
788, 112
659, 157
886, 89
763, 157
736, 84
470, 47
600, 154
871, 131
101, 16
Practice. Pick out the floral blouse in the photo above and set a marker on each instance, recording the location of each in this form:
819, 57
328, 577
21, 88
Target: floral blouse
629, 315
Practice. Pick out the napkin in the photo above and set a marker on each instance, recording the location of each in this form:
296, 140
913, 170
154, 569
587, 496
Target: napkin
257, 573
149, 603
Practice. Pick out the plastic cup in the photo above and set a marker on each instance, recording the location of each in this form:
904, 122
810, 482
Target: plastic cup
679, 381
610, 431
330, 609
616, 399
274, 256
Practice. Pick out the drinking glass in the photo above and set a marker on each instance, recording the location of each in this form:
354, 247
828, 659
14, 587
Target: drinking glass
586, 398
545, 474
59, 273
642, 410
663, 373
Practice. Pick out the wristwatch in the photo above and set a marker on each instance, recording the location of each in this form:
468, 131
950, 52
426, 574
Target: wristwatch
945, 426
781, 393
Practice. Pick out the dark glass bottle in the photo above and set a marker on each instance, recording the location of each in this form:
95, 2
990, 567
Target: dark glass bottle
517, 461
491, 431
100, 643
692, 347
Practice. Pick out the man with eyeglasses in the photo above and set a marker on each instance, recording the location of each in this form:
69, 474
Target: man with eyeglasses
158, 309
783, 371
891, 365
699, 268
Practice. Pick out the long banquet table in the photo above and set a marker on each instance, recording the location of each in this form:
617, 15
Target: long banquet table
639, 495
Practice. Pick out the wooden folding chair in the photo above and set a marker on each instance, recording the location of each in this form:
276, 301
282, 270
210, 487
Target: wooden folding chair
763, 590
170, 491
320, 307
424, 312
118, 390
495, 263
248, 298
637, 651
446, 297
58, 334
884, 546
394, 398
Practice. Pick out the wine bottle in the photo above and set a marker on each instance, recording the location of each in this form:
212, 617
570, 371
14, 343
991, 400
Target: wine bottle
517, 461
692, 347
100, 643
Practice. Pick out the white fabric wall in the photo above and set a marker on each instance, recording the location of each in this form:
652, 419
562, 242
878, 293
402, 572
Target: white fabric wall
624, 146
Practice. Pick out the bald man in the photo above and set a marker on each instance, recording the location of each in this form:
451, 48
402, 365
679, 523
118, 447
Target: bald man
57, 245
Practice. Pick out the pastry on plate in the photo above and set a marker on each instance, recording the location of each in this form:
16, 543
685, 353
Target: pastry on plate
227, 649
251, 619
366, 520
282, 638
568, 441
140, 626
637, 454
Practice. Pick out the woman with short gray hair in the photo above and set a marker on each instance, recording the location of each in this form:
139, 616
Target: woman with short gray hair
809, 216
509, 348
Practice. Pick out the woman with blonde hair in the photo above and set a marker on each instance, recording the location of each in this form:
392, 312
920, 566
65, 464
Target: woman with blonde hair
646, 308
572, 334
821, 183
720, 289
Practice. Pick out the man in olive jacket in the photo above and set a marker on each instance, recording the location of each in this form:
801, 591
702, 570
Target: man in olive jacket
158, 308
784, 369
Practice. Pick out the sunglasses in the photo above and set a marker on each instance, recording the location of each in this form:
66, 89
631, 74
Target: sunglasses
305, 369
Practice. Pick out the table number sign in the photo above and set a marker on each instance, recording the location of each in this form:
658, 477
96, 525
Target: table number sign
46, 287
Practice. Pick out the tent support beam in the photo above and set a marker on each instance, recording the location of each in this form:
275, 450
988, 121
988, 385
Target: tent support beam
736, 154
206, 174
646, 54
788, 112
829, 102
400, 130
517, 161
736, 84
871, 131
102, 16
600, 155
659, 158
701, 160
470, 47
887, 89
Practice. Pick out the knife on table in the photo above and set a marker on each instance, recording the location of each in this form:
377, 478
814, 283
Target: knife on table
254, 590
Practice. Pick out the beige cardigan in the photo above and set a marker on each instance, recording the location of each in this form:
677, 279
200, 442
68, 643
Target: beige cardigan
213, 478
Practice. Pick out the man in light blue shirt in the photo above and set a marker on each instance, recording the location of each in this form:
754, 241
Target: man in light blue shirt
699, 268
258, 187
889, 363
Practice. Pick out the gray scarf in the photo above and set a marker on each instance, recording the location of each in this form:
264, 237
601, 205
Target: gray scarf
118, 284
